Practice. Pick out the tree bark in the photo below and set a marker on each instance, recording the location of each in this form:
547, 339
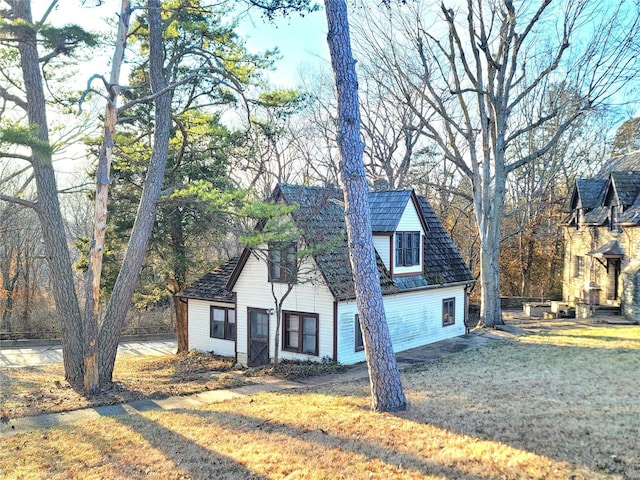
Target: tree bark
124, 287
48, 206
182, 324
92, 294
386, 389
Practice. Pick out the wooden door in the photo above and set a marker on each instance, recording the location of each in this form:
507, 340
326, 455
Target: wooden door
258, 338
613, 273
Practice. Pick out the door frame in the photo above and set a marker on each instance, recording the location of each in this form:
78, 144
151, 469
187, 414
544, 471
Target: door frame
265, 312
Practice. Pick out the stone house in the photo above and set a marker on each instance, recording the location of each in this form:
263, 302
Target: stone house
602, 241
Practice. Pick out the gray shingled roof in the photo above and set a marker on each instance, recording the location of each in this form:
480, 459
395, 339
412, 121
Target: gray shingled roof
597, 216
320, 217
626, 185
442, 261
387, 208
590, 191
596, 194
627, 161
631, 216
609, 250
213, 285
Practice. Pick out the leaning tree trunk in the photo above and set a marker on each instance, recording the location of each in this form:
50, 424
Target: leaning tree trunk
92, 294
48, 205
386, 388
124, 287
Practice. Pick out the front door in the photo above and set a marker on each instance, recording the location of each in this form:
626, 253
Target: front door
613, 274
258, 338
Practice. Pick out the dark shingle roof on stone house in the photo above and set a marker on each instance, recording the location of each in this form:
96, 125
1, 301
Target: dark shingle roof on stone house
627, 161
625, 185
610, 187
589, 192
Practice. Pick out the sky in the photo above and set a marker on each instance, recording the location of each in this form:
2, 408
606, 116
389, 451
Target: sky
301, 40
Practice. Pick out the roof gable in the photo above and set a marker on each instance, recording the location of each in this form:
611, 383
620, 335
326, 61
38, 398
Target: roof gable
387, 208
623, 188
588, 193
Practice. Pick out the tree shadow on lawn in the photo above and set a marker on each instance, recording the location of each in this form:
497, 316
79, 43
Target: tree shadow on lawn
182, 453
9, 385
317, 443
575, 404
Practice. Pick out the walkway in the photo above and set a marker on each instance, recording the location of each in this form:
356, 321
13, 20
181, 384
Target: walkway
406, 359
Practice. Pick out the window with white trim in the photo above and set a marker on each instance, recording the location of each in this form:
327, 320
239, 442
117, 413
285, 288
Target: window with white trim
222, 323
448, 312
407, 249
301, 332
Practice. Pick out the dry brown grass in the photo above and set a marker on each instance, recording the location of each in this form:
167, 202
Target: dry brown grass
561, 405
41, 389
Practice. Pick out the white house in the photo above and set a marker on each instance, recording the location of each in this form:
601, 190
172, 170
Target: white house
231, 311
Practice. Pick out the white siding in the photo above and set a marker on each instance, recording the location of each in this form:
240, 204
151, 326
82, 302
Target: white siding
409, 222
382, 244
414, 319
309, 296
199, 314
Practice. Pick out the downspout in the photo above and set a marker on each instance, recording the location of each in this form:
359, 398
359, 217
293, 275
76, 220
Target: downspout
466, 309
335, 331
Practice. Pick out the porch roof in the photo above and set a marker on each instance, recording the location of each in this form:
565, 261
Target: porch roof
609, 250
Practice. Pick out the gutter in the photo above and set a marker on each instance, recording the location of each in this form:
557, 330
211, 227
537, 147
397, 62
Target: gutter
417, 289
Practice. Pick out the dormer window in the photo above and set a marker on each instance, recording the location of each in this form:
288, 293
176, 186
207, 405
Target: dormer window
613, 217
407, 248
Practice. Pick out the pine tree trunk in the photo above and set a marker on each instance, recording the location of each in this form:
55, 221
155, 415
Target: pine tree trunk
48, 206
124, 287
386, 389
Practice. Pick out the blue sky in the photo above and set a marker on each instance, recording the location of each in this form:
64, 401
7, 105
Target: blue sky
301, 40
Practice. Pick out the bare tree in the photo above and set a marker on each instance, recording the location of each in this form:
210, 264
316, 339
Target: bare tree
478, 66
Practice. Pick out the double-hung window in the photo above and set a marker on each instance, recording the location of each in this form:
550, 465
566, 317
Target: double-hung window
448, 311
578, 267
407, 248
301, 332
282, 263
222, 323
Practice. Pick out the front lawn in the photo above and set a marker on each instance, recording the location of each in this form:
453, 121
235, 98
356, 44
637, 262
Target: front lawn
563, 405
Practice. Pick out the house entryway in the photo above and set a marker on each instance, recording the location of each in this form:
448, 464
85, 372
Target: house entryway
613, 274
258, 338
